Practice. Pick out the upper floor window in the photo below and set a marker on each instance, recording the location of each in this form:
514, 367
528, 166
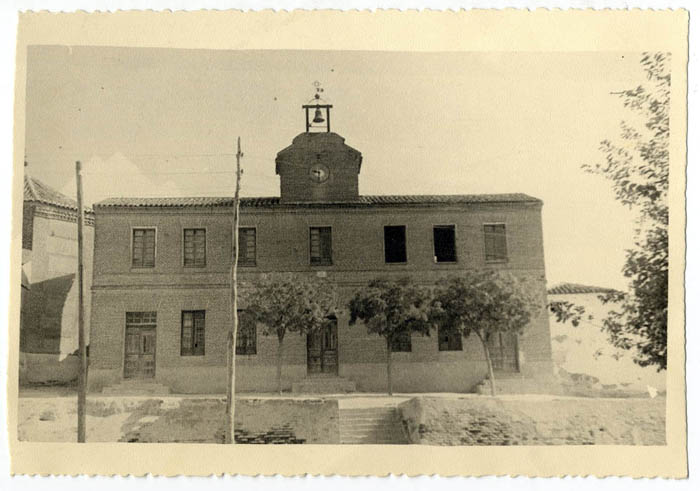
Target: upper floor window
444, 244
195, 248
320, 249
192, 336
246, 338
246, 246
449, 339
143, 248
495, 242
395, 244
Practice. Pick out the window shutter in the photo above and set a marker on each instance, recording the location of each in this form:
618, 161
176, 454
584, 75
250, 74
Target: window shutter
495, 242
187, 325
246, 246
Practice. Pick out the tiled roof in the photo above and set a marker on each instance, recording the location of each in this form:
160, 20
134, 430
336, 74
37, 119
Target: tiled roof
267, 202
574, 288
35, 190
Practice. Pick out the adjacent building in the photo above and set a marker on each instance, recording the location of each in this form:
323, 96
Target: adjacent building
49, 310
161, 290
582, 353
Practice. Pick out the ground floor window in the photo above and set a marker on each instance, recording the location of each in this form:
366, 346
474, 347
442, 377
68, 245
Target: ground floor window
246, 337
449, 339
401, 342
192, 333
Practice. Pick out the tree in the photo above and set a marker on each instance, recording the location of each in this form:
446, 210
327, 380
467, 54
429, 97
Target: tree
637, 164
484, 303
392, 309
284, 303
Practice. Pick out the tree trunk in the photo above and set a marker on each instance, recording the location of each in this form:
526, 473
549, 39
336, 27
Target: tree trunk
280, 339
492, 382
389, 384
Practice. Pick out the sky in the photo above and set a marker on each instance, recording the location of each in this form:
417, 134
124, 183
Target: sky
164, 122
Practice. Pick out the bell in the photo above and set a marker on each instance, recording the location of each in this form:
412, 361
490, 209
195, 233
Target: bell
318, 117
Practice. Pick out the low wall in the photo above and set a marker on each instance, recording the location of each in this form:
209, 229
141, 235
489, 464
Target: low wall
48, 368
478, 420
181, 420
207, 379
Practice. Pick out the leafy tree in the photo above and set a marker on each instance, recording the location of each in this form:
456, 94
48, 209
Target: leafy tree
565, 311
284, 303
484, 303
391, 308
637, 164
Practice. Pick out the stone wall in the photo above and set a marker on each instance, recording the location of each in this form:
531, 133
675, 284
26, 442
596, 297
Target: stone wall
534, 421
181, 420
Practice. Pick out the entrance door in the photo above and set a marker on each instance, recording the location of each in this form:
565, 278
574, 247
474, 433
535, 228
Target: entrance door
503, 348
140, 352
322, 350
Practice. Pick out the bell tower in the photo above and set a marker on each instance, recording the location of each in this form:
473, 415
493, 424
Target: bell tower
318, 166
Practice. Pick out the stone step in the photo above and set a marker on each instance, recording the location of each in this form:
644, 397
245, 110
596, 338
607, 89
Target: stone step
373, 441
376, 425
368, 428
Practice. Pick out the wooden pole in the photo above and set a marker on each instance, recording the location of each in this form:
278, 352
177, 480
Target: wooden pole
82, 351
233, 331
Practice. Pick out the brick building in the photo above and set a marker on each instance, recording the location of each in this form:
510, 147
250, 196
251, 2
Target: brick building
161, 291
49, 309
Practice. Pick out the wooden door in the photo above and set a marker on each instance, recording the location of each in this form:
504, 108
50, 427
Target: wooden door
322, 350
503, 348
140, 352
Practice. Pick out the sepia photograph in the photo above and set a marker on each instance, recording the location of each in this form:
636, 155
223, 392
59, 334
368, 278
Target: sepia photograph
345, 247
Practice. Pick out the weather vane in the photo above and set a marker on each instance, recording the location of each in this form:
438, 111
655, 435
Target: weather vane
317, 104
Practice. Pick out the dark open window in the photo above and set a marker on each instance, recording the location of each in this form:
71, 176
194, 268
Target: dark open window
192, 336
143, 248
320, 249
246, 247
195, 248
495, 242
246, 337
401, 342
449, 339
395, 244
444, 244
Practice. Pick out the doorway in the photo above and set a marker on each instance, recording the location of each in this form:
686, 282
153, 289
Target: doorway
322, 349
140, 353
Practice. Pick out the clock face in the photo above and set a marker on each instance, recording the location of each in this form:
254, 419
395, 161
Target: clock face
318, 173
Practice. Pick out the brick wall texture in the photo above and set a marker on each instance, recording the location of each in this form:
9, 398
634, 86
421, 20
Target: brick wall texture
283, 245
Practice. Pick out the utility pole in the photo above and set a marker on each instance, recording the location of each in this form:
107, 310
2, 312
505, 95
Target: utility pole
82, 351
233, 330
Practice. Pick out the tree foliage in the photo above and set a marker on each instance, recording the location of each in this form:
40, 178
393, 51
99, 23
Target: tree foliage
637, 165
287, 303
391, 308
483, 303
565, 311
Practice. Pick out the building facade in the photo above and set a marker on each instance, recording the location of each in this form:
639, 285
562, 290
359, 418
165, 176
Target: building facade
161, 290
49, 311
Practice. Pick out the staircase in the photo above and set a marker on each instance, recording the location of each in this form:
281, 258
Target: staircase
373, 425
136, 387
323, 385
